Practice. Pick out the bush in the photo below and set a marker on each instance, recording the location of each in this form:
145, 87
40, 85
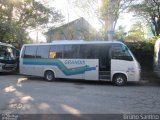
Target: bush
144, 53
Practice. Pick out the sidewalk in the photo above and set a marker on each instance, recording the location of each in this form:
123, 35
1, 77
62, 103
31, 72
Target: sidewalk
149, 78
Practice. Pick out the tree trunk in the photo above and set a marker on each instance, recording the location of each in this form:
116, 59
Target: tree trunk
110, 21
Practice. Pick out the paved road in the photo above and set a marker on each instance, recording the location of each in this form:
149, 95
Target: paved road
34, 95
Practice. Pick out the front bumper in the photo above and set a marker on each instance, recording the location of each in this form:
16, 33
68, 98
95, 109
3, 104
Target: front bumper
7, 67
138, 75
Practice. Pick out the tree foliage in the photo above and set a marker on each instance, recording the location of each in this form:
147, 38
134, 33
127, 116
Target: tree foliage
141, 47
136, 33
150, 10
120, 33
111, 10
17, 16
87, 7
144, 52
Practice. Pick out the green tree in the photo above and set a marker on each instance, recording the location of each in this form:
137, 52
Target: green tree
87, 7
120, 33
108, 13
136, 33
150, 10
17, 16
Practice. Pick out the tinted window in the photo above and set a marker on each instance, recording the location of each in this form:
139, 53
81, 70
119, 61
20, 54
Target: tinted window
68, 51
87, 51
97, 51
56, 51
30, 51
75, 51
42, 51
94, 51
71, 51
102, 52
7, 53
121, 52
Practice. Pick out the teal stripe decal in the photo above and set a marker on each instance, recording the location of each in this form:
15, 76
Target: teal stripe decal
60, 65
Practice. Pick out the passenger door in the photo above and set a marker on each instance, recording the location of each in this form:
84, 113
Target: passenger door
104, 57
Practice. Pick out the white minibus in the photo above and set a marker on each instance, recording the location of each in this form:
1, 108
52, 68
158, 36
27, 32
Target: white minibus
87, 60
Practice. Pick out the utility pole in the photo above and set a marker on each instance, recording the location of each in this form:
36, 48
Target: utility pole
37, 38
68, 5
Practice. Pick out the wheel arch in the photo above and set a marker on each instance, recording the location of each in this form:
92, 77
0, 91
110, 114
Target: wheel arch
49, 70
117, 73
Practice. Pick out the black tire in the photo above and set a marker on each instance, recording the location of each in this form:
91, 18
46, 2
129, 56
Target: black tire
49, 76
119, 80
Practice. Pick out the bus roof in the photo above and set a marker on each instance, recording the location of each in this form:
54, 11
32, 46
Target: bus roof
65, 42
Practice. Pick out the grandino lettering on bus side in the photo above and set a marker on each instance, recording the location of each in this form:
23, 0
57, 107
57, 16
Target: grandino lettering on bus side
77, 62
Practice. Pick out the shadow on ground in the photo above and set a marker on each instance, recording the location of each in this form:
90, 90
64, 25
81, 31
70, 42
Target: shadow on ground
100, 83
8, 73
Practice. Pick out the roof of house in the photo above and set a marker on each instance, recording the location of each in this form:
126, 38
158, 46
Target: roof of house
66, 25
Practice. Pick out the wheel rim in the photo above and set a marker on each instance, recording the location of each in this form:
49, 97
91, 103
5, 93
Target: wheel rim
49, 76
119, 80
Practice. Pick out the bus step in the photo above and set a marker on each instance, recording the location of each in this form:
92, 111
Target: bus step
104, 77
104, 73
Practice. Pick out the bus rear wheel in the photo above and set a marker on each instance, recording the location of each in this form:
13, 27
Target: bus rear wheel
119, 80
49, 76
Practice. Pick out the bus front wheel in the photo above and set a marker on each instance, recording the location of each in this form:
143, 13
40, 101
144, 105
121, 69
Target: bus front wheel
49, 76
119, 79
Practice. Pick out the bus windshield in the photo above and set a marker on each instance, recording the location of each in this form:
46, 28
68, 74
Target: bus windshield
7, 53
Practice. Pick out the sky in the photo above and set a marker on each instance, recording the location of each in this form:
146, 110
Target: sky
70, 12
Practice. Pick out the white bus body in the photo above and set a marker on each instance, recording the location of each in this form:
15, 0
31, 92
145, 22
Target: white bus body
96, 60
157, 58
8, 62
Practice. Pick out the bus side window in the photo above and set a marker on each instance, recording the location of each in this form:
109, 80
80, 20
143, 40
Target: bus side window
71, 51
75, 51
116, 53
87, 51
42, 51
83, 52
56, 51
68, 51
30, 52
